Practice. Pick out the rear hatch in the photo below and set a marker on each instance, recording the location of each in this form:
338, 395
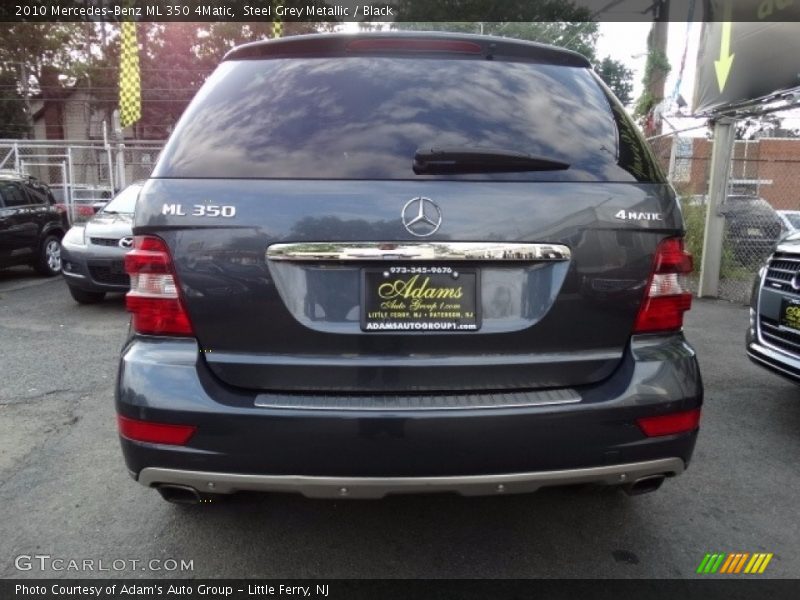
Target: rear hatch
408, 216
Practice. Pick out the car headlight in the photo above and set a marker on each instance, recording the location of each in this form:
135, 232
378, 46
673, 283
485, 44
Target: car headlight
75, 236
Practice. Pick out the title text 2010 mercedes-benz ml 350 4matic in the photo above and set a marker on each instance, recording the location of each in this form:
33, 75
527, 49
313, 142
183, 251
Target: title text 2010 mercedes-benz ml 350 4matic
406, 263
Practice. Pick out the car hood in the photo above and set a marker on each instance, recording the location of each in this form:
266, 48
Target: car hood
110, 226
790, 243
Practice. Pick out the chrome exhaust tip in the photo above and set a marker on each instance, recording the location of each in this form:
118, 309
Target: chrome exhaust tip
644, 485
179, 494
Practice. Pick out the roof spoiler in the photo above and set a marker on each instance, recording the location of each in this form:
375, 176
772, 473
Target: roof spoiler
428, 45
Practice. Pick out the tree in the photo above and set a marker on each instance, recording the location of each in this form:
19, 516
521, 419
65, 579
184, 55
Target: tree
13, 116
561, 24
33, 52
578, 36
618, 77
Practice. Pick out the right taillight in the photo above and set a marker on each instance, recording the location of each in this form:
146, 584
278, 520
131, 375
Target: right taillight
153, 299
670, 424
667, 296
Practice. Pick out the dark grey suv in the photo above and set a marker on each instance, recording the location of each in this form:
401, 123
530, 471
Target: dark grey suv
406, 263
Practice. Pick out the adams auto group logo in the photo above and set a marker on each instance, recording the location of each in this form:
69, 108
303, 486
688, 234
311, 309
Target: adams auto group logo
734, 563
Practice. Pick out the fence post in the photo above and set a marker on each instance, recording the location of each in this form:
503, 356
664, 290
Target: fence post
70, 178
721, 152
117, 129
109, 158
67, 195
673, 157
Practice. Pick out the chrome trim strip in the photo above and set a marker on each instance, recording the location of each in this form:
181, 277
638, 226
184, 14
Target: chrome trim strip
417, 251
378, 487
426, 402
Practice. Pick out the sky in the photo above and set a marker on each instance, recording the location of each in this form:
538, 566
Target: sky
627, 42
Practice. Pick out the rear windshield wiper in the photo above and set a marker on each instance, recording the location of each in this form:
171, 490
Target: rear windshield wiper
430, 161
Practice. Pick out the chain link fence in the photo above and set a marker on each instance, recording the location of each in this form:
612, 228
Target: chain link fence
83, 175
762, 203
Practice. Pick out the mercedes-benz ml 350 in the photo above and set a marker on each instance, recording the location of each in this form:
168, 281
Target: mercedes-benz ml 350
390, 263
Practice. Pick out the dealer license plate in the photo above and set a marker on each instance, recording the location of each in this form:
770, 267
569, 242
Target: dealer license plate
420, 298
790, 314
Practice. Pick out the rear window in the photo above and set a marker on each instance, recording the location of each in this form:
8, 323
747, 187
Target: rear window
364, 118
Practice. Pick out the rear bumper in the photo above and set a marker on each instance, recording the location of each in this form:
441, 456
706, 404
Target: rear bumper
242, 445
378, 487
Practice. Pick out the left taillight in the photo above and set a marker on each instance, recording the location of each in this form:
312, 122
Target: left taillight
670, 424
154, 299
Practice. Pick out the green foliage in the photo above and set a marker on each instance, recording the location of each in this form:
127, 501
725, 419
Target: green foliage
523, 10
694, 217
13, 120
577, 36
65, 46
657, 66
618, 77
561, 24
174, 59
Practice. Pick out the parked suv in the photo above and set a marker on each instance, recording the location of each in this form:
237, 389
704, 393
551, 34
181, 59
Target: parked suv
393, 263
31, 225
773, 339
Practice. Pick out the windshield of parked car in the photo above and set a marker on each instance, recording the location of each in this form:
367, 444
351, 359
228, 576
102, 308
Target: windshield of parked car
125, 201
794, 219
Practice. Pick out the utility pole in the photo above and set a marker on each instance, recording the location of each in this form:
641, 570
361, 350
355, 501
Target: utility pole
26, 92
724, 136
656, 64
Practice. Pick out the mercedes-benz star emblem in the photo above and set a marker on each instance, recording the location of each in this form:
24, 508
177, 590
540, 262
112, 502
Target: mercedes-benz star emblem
126, 242
421, 216
796, 281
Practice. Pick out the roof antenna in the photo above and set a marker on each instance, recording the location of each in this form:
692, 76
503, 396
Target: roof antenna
490, 54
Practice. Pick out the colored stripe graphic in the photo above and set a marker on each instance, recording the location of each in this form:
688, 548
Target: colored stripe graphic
733, 563
740, 564
729, 562
764, 564
703, 563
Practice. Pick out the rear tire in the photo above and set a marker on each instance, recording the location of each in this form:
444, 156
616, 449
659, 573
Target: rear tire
49, 261
83, 297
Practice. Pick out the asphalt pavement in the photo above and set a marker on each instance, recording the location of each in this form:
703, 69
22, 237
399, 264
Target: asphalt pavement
65, 493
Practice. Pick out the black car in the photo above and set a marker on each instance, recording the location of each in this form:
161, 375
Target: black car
773, 338
394, 263
31, 224
753, 228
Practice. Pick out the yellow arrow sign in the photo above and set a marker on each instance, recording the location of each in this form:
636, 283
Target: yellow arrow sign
725, 62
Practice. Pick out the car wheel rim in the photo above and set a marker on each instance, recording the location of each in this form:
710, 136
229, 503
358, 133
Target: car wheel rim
53, 251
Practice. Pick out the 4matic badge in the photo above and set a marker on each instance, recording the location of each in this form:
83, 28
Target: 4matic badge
632, 215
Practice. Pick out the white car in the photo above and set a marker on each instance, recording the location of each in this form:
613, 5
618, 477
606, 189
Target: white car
790, 219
